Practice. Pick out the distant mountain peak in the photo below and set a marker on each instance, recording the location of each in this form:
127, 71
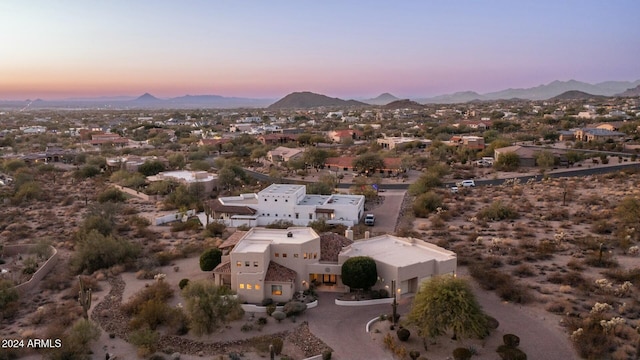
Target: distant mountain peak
147, 97
382, 99
308, 99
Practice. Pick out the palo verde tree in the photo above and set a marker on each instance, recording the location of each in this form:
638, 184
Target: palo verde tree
445, 303
359, 272
508, 162
210, 306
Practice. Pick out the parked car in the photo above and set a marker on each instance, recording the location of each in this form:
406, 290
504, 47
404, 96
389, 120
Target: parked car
454, 189
369, 219
467, 183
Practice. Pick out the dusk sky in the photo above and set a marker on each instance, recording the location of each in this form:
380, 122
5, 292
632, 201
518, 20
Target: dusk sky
54, 49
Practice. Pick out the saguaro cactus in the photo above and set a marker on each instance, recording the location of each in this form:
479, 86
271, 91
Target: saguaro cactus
84, 298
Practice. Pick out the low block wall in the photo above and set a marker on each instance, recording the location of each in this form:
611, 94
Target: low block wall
43, 270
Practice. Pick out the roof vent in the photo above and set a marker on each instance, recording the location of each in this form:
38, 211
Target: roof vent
289, 234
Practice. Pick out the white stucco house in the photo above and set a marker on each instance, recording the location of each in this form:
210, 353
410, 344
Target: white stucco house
207, 180
287, 202
275, 263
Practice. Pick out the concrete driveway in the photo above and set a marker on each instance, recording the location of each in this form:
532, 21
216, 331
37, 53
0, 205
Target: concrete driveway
387, 212
343, 328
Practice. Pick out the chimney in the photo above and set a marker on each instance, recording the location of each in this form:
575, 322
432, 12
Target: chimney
366, 234
348, 234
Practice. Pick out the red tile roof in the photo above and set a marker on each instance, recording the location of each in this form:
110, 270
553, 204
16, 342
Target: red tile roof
331, 244
277, 272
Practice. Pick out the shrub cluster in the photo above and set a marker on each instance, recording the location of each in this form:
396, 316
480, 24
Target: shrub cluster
498, 211
504, 284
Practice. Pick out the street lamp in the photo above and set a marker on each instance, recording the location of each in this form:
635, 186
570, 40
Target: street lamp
394, 305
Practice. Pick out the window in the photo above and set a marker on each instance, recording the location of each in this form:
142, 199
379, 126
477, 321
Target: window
255, 264
284, 254
265, 199
310, 216
246, 263
315, 255
241, 286
286, 200
239, 263
305, 256
276, 200
295, 255
249, 287
276, 289
257, 286
297, 216
276, 254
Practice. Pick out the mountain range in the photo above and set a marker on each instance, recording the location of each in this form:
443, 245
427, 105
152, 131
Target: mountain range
541, 92
309, 100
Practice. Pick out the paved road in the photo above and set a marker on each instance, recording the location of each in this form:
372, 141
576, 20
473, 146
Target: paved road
403, 186
387, 213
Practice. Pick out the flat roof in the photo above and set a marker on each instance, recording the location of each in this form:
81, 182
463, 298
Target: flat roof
185, 175
258, 239
241, 200
281, 189
398, 251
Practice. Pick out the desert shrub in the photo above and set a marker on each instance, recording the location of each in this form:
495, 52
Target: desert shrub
146, 340
293, 308
601, 260
216, 228
504, 284
278, 344
151, 314
96, 251
498, 211
87, 171
462, 354
210, 259
266, 302
509, 353
523, 270
603, 227
492, 323
414, 354
246, 327
159, 291
280, 224
326, 355
270, 309
183, 283
619, 275
279, 315
403, 334
111, 194
426, 204
511, 340
191, 224
8, 298
262, 321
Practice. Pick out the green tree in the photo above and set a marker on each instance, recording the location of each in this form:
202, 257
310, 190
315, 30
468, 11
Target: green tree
507, 162
210, 306
315, 157
210, 259
446, 303
426, 182
111, 194
359, 272
545, 159
368, 163
176, 161
151, 167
